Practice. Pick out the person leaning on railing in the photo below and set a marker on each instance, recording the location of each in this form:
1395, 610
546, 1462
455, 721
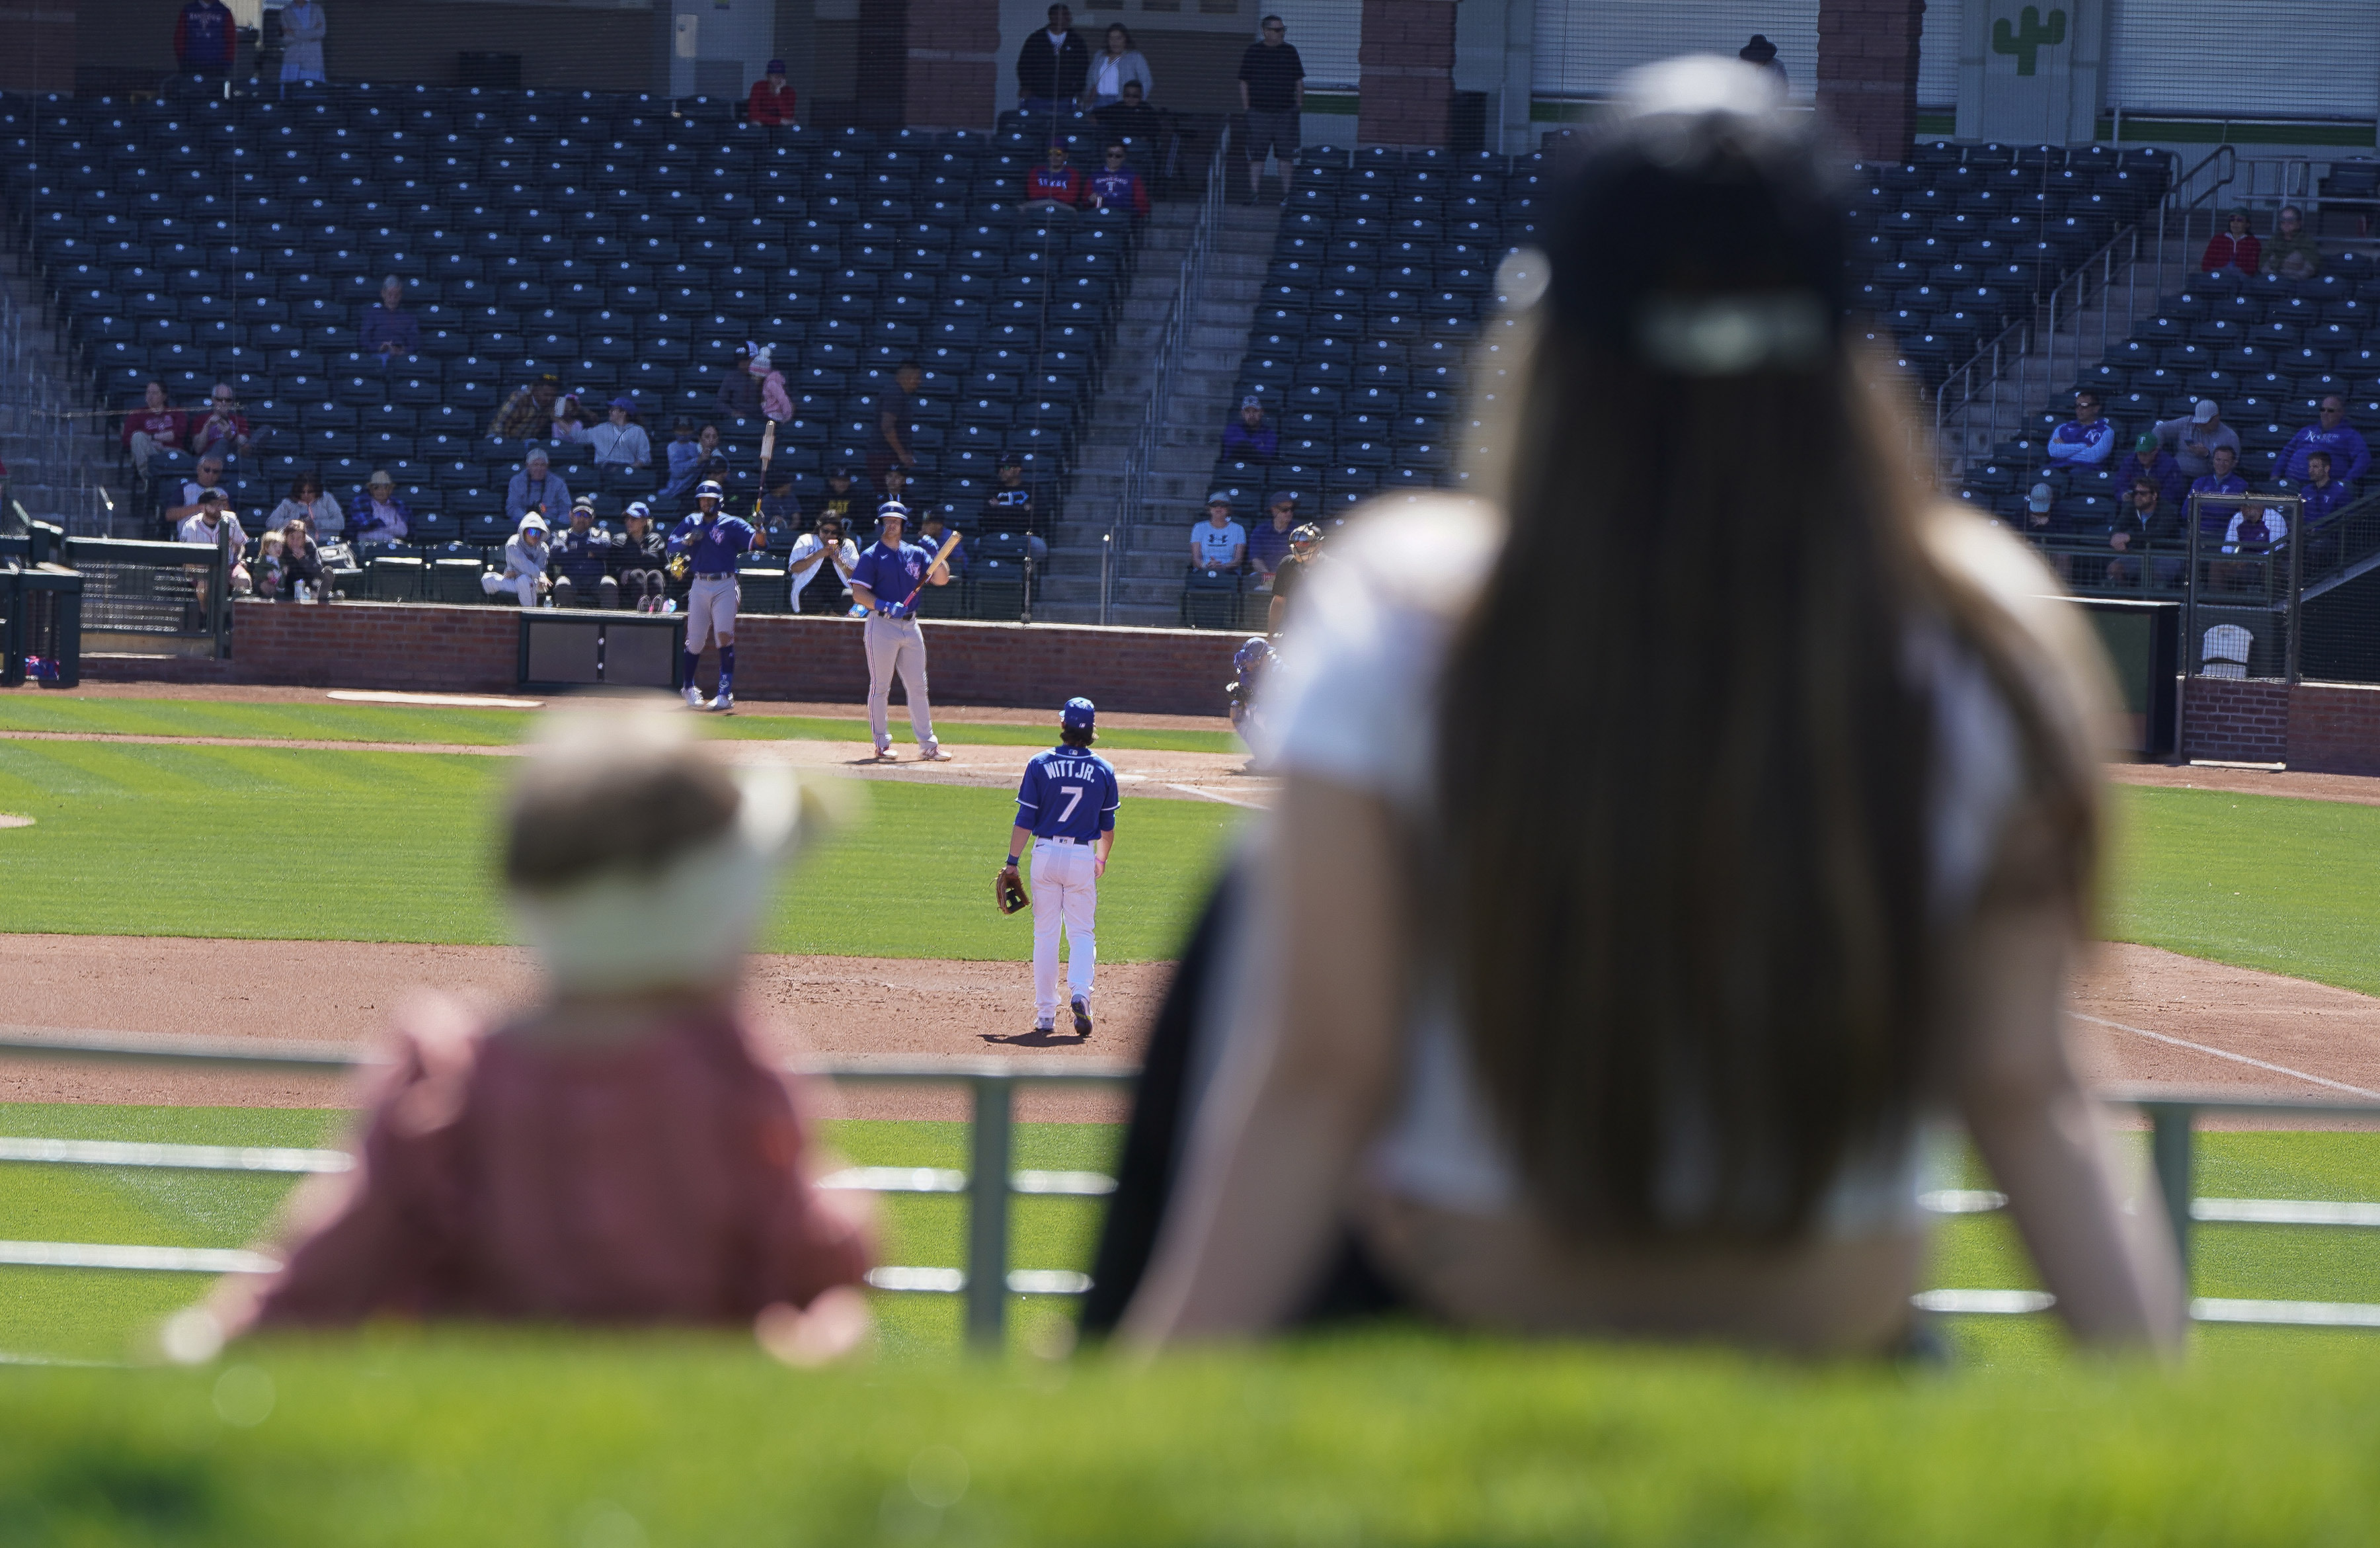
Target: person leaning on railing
1645, 1044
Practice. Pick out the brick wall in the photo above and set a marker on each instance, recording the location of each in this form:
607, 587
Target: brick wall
2242, 722
426, 647
1407, 60
2335, 727
954, 64
1867, 73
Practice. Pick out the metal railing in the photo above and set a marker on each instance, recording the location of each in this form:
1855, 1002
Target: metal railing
40, 414
152, 592
992, 1180
986, 1280
1181, 316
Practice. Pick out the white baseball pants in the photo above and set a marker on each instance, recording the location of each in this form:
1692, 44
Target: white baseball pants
897, 645
1065, 892
710, 611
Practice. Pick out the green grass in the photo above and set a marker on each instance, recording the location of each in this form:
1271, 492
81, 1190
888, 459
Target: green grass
473, 1438
2291, 886
334, 720
272, 843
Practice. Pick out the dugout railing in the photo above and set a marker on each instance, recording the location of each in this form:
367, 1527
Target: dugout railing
992, 1180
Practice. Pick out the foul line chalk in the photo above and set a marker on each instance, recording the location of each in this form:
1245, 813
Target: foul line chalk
2222, 1053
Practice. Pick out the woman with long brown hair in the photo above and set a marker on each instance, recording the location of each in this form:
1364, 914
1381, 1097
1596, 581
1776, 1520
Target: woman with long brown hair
1632, 912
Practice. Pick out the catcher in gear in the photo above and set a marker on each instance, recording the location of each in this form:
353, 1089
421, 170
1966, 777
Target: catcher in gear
1067, 806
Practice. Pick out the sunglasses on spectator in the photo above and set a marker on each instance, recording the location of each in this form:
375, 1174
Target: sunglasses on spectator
1116, 155
1272, 28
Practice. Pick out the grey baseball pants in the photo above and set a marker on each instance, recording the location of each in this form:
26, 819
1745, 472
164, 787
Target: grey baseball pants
896, 645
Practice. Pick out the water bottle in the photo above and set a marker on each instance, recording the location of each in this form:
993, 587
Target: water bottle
305, 592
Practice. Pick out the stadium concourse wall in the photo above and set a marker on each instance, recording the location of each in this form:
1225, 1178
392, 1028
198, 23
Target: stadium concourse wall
429, 647
2320, 728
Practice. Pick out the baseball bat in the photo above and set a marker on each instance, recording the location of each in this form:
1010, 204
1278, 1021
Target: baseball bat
948, 544
767, 454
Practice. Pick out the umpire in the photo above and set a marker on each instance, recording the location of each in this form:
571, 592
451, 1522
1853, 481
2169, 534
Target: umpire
886, 581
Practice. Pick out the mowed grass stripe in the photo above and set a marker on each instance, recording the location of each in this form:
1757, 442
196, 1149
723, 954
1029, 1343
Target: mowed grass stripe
338, 722
146, 839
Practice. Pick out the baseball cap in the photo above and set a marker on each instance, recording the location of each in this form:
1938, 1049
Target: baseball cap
776, 66
2205, 411
380, 480
2040, 497
639, 509
624, 402
533, 520
2146, 444
838, 472
1078, 715
1282, 497
1219, 498
1010, 459
1252, 401
584, 503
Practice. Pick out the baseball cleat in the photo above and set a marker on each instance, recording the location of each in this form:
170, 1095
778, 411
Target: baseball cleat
723, 703
1082, 1016
886, 755
937, 756
693, 697
1045, 1026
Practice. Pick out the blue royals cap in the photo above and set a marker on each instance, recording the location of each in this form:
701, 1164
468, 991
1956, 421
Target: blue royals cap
1077, 715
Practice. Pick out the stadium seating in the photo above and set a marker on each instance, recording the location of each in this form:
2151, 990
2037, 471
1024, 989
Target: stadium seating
627, 244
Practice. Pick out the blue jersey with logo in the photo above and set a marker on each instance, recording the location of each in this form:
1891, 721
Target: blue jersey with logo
895, 572
1067, 793
714, 549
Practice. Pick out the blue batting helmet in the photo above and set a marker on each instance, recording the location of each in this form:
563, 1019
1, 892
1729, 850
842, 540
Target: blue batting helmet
1252, 654
709, 490
1077, 715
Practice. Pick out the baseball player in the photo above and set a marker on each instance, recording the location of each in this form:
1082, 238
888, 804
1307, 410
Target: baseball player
886, 581
1066, 804
711, 543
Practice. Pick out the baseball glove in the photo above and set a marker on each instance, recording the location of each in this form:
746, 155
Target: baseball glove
1008, 890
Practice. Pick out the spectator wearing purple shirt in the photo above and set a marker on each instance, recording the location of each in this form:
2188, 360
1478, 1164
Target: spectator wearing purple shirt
2349, 457
205, 37
389, 331
1250, 439
1268, 544
2086, 440
2213, 517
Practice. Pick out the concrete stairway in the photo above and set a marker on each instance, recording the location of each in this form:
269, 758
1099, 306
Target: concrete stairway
1147, 587
60, 469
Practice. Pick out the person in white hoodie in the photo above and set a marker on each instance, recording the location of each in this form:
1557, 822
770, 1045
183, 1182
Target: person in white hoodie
527, 555
303, 28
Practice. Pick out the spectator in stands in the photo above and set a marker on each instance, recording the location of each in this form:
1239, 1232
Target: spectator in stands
529, 413
1118, 65
303, 28
841, 501
888, 444
569, 425
209, 476
2233, 250
2349, 457
770, 105
2195, 437
739, 391
1010, 506
1053, 184
1139, 126
1268, 544
153, 427
1761, 53
1116, 187
389, 331
304, 575
1051, 65
819, 566
581, 561
306, 502
684, 454
2149, 459
1272, 95
212, 521
1248, 438
1218, 542
934, 531
640, 560
2323, 493
2253, 535
2292, 253
624, 1150
2040, 504
264, 570
526, 556
2086, 440
222, 428
621, 442
536, 488
2220, 479
206, 39
781, 510
381, 517
2149, 523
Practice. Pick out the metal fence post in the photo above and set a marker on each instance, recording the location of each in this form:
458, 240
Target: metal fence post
2296, 540
2170, 1147
988, 1170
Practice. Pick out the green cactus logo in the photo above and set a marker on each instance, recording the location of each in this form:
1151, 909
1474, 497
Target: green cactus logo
2028, 36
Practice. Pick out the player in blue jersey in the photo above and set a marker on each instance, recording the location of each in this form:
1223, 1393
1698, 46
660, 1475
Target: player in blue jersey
1067, 806
711, 543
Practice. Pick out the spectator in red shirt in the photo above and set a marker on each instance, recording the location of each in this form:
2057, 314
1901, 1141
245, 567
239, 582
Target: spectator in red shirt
205, 36
1055, 183
222, 428
772, 103
150, 428
1116, 187
2234, 248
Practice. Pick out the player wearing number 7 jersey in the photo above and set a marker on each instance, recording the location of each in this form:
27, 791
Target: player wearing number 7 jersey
1067, 806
